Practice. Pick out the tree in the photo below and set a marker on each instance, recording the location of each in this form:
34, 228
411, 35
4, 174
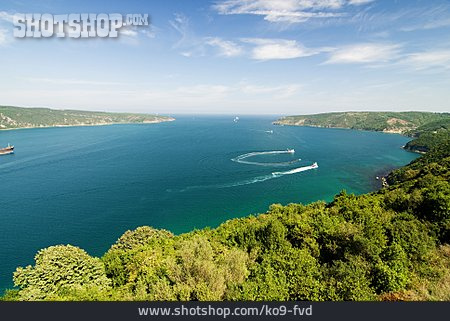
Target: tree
59, 269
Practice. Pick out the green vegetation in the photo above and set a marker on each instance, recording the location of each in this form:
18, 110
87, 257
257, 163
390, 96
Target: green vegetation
62, 270
433, 126
394, 122
18, 117
392, 244
430, 136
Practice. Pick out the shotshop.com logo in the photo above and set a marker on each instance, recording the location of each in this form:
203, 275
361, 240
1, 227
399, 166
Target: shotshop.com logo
74, 25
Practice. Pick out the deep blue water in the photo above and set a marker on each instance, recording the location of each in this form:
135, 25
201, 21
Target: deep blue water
87, 185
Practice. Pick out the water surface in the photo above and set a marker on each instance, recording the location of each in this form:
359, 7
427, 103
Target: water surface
87, 185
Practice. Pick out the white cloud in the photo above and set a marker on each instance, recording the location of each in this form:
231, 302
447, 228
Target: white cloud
150, 33
445, 22
243, 89
129, 35
326, 95
70, 81
5, 34
202, 91
364, 53
129, 32
281, 91
427, 25
288, 11
227, 48
5, 16
181, 24
3, 37
189, 43
432, 16
191, 98
429, 15
429, 59
359, 2
267, 49
378, 54
134, 36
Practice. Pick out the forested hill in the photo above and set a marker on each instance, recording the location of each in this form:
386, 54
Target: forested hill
392, 122
392, 244
19, 117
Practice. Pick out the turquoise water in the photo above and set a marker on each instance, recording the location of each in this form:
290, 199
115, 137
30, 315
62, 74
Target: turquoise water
87, 185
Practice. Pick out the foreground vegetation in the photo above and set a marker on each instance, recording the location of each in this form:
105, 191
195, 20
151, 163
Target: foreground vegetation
388, 245
18, 117
393, 122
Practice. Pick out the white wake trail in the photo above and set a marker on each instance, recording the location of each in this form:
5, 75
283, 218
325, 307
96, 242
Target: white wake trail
242, 158
254, 180
296, 170
258, 179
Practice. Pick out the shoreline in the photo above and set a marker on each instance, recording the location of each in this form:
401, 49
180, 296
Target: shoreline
381, 179
390, 132
93, 125
348, 128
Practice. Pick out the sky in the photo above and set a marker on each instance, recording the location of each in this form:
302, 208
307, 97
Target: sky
236, 57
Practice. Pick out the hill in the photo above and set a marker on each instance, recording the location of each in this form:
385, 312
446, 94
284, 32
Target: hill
390, 122
19, 117
392, 244
429, 135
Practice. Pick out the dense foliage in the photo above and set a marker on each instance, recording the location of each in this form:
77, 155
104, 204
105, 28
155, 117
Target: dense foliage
430, 136
18, 117
438, 125
61, 271
388, 245
400, 122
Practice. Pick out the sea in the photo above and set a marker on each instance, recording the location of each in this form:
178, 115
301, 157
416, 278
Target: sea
86, 186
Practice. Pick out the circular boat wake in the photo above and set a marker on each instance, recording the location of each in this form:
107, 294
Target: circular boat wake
243, 158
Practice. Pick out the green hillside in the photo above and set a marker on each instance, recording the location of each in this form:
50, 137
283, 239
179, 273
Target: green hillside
18, 117
392, 244
393, 122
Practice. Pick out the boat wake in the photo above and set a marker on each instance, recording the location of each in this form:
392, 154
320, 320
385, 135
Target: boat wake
296, 170
267, 177
243, 158
258, 179
254, 180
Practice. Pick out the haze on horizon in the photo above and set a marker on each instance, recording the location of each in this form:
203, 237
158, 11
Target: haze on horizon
237, 57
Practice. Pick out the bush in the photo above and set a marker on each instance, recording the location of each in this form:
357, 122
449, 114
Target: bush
59, 269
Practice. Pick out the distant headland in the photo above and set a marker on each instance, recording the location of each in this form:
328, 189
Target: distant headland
19, 117
419, 125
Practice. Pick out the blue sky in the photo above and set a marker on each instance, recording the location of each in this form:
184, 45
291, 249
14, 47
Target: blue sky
237, 57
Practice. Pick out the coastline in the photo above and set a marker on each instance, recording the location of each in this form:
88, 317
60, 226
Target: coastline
169, 119
402, 133
380, 179
398, 132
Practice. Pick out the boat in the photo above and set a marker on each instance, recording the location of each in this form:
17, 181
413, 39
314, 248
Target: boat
236, 119
290, 151
7, 150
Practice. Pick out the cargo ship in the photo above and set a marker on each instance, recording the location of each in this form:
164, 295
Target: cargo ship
7, 150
